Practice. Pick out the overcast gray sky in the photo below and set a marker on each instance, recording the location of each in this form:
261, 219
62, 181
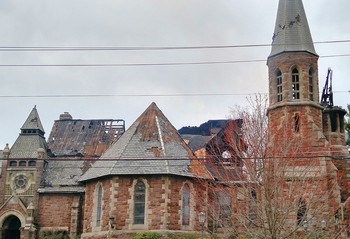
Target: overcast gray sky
150, 23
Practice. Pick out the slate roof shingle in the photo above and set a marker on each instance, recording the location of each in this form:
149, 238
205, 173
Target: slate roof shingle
151, 145
292, 32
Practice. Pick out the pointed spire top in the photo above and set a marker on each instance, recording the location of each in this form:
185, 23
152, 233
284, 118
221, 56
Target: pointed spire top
33, 121
292, 33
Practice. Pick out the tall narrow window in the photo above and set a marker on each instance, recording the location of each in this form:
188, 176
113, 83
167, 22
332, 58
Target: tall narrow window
139, 207
301, 214
279, 86
311, 84
334, 121
99, 206
186, 205
296, 122
295, 84
224, 209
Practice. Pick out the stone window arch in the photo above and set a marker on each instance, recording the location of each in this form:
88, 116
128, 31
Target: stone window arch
22, 163
139, 202
279, 82
13, 163
186, 194
32, 163
295, 84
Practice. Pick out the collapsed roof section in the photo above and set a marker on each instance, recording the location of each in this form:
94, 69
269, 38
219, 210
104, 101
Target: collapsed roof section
85, 138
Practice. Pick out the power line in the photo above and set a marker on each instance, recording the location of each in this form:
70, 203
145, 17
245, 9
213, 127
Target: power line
145, 48
138, 95
150, 64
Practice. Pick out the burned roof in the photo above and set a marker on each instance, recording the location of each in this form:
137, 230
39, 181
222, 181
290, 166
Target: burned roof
209, 128
150, 146
85, 138
196, 142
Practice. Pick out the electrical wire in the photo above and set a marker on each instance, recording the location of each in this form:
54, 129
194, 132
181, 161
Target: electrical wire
150, 64
138, 95
145, 48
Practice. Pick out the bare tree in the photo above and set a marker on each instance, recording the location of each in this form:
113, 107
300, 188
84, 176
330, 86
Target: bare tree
269, 184
347, 125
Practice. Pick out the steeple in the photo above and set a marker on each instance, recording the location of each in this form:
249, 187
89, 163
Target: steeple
30, 139
33, 124
292, 33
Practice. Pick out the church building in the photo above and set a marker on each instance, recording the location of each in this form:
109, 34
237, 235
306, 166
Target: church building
94, 179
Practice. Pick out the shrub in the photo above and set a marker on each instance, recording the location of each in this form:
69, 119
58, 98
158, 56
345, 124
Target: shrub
147, 235
56, 235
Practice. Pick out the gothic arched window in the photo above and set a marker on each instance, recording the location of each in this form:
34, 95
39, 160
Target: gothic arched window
186, 205
279, 85
311, 84
139, 203
295, 84
99, 206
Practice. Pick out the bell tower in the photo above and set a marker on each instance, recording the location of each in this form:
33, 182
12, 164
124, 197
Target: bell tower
296, 137
293, 75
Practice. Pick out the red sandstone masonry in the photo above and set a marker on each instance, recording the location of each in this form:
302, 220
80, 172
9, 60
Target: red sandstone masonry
55, 210
156, 204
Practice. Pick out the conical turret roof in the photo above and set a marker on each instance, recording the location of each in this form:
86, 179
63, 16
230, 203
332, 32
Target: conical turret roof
151, 145
292, 33
33, 121
31, 138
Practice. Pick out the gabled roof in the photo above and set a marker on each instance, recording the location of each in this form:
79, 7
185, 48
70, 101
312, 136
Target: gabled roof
151, 145
30, 139
292, 33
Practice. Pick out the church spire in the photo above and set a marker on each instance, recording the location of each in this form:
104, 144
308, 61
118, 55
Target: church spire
292, 33
33, 123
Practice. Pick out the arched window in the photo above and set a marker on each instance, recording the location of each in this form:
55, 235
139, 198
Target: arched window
13, 164
139, 201
186, 205
279, 85
22, 163
32, 163
99, 206
311, 84
295, 84
301, 214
